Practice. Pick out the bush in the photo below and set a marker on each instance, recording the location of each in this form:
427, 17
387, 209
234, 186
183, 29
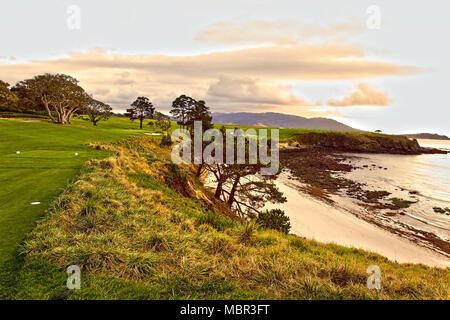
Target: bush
166, 140
274, 219
21, 115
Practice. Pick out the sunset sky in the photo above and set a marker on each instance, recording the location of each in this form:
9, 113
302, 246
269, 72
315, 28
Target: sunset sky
309, 58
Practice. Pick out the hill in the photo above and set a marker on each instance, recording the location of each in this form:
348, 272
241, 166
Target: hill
361, 142
280, 120
432, 136
141, 227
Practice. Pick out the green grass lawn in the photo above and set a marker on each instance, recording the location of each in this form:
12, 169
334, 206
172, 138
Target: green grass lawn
284, 133
44, 166
47, 162
135, 236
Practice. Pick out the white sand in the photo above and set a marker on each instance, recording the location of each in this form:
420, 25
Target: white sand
316, 220
152, 134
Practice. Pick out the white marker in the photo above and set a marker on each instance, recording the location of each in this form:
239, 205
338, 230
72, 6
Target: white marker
76, 153
18, 152
35, 203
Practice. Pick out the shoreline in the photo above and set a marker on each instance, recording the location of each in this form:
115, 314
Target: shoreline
313, 218
327, 176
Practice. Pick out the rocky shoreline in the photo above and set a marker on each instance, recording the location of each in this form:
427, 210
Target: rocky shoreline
318, 168
360, 143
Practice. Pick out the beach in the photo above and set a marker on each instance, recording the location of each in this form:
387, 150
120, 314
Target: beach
314, 219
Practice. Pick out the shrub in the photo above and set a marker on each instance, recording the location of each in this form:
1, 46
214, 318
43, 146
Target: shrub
274, 219
166, 140
248, 231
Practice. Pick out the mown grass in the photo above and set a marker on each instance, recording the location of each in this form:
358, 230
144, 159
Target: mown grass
45, 165
137, 237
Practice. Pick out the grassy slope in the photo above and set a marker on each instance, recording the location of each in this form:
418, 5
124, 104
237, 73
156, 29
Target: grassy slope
45, 165
136, 237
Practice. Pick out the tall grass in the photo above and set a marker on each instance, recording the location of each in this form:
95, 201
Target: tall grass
136, 236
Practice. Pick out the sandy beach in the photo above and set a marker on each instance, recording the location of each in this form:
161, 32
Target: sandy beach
313, 219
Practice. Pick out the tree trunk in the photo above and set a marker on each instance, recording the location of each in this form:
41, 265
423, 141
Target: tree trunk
199, 170
48, 111
218, 189
69, 114
233, 191
59, 115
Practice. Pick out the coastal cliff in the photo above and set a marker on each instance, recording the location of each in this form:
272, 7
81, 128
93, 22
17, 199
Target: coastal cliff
360, 143
147, 228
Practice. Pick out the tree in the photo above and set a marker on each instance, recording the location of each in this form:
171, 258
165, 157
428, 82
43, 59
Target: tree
161, 121
241, 187
141, 109
8, 99
97, 111
199, 112
59, 94
166, 140
27, 101
274, 219
181, 107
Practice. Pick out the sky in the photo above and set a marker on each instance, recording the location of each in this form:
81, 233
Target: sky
374, 65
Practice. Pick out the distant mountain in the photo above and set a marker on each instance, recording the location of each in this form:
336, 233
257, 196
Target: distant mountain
427, 136
272, 119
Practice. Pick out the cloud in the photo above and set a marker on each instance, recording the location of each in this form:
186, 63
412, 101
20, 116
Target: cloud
10, 58
363, 95
276, 32
249, 91
306, 62
227, 79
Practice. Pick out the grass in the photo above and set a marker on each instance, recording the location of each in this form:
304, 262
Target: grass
135, 237
284, 134
45, 165
142, 228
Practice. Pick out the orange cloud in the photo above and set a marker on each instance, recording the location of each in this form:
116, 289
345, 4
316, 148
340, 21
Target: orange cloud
276, 32
118, 78
249, 91
306, 62
364, 95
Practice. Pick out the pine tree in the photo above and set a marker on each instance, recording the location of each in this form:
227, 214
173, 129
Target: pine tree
181, 107
199, 112
141, 109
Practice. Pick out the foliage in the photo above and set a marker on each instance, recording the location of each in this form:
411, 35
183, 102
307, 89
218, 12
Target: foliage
181, 107
141, 109
239, 185
166, 140
199, 112
97, 111
58, 93
8, 99
143, 240
161, 121
274, 219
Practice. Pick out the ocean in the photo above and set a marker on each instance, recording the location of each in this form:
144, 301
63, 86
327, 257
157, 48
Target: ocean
423, 179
